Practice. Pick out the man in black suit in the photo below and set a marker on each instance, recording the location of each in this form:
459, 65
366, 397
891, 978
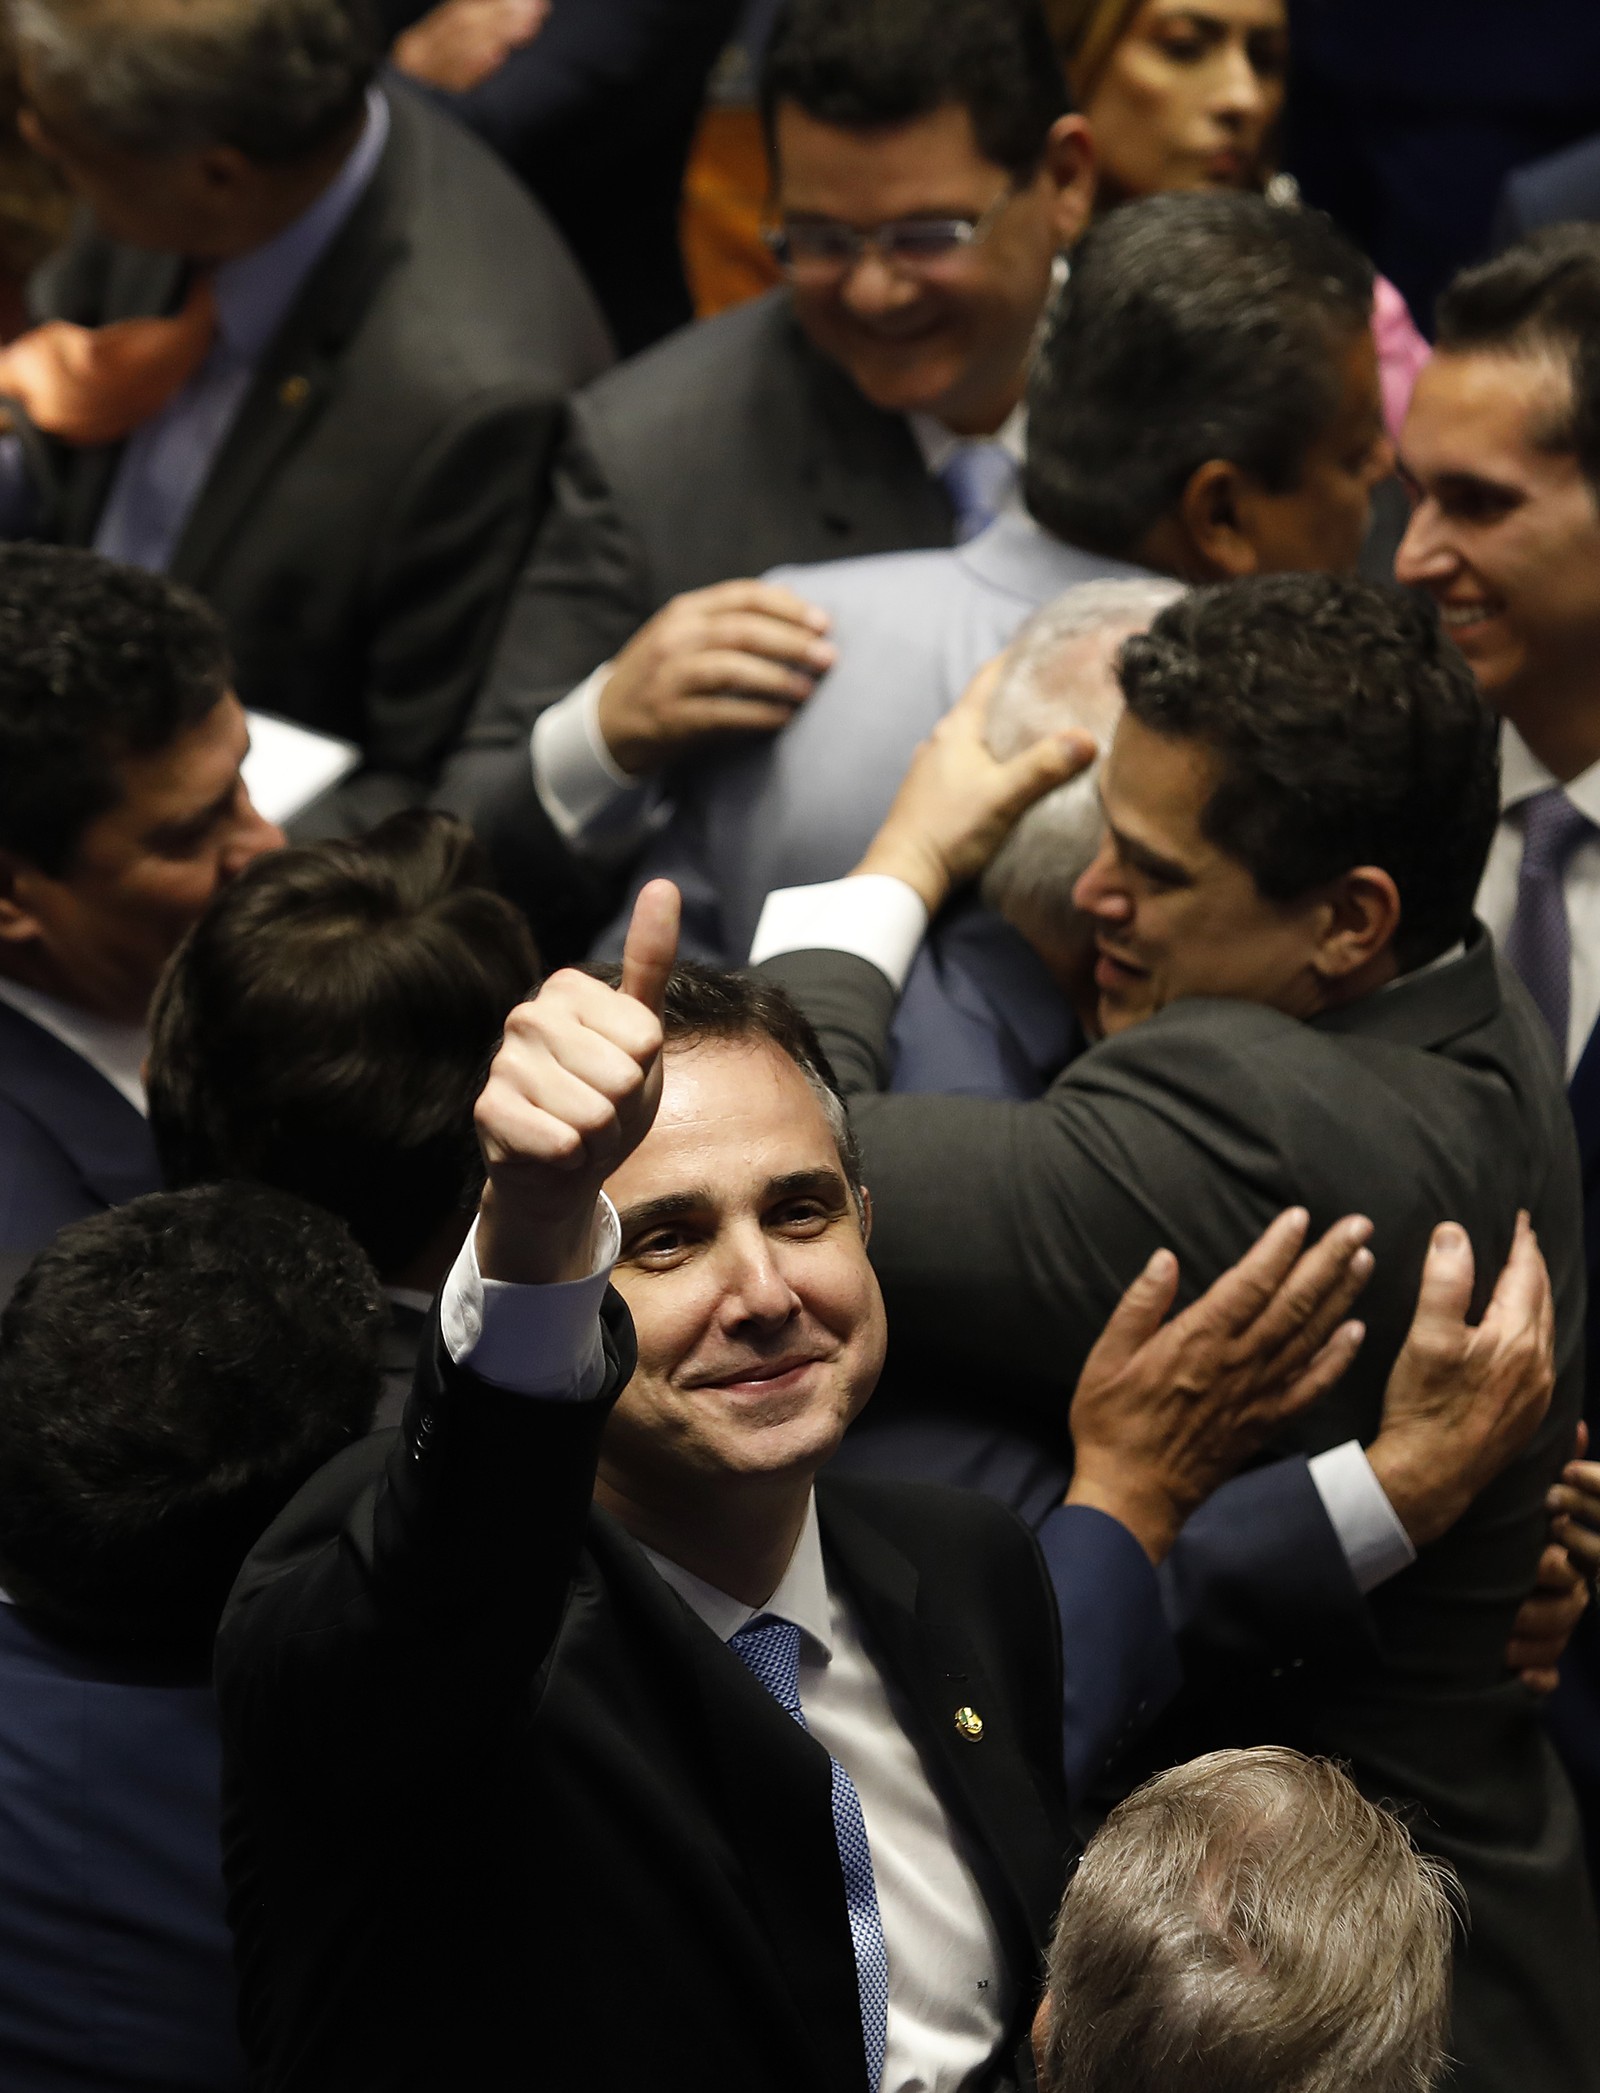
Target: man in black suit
1502, 450
479, 1735
122, 809
225, 1343
869, 406
353, 460
325, 1028
1298, 802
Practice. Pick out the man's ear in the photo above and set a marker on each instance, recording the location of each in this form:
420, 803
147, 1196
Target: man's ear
1069, 161
865, 1209
18, 924
1212, 516
1363, 922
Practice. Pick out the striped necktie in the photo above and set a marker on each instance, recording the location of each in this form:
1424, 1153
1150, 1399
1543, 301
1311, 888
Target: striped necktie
1539, 943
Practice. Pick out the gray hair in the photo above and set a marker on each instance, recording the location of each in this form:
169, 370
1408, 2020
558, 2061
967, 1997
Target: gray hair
277, 79
1250, 1923
1057, 675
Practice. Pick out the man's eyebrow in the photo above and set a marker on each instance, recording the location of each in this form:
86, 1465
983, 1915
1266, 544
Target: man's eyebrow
671, 1206
1140, 853
819, 1183
193, 824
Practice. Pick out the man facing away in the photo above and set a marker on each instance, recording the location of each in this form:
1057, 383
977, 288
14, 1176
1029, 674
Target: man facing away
307, 354
1298, 801
122, 810
811, 1742
170, 1374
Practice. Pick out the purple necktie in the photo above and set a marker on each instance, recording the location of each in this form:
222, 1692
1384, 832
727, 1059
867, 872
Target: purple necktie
1539, 942
979, 479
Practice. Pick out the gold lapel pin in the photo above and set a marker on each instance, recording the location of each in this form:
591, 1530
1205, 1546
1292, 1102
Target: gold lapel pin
294, 392
969, 1724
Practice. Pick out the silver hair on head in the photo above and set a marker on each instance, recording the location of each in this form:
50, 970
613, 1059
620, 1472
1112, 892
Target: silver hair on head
1057, 674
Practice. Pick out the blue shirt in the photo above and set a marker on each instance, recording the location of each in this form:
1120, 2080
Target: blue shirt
165, 464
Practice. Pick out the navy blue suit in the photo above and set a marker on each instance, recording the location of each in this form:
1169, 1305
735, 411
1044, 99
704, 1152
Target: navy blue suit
116, 1966
70, 1143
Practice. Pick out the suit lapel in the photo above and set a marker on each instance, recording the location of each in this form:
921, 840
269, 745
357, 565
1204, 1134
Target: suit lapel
92, 1123
853, 453
770, 1787
294, 377
936, 1672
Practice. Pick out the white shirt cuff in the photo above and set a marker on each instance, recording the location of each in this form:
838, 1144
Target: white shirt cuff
534, 1340
878, 918
596, 807
1376, 1545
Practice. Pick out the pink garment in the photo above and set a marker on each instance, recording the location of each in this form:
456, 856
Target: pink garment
1401, 352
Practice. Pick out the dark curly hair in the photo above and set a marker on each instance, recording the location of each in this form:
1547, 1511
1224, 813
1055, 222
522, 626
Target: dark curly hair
1347, 730
97, 663
170, 1373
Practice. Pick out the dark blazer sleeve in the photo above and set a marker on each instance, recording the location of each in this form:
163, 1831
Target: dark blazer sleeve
406, 1601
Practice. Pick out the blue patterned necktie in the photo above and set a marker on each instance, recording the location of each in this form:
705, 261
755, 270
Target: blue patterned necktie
769, 1649
979, 478
1539, 942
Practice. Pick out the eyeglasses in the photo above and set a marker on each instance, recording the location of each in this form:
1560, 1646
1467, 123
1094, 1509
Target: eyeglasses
822, 247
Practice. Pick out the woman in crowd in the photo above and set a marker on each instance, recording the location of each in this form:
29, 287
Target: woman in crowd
1187, 94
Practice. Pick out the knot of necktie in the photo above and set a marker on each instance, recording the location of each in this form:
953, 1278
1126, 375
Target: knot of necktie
979, 478
769, 1649
1551, 829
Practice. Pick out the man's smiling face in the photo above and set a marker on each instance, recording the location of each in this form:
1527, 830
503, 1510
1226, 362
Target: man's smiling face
744, 1266
1506, 532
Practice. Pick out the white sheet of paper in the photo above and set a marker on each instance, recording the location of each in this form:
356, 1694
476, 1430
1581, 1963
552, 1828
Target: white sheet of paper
289, 766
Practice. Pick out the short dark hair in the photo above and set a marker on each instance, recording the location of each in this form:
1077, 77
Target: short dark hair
857, 63
1540, 297
1192, 327
170, 1373
276, 79
1347, 730
723, 1003
328, 1023
97, 663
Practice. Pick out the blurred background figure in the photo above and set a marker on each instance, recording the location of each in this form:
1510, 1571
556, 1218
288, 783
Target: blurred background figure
594, 104
170, 1374
1249, 1922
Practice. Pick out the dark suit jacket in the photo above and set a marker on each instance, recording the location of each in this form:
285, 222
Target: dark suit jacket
362, 524
729, 449
116, 1967
70, 1143
1551, 191
597, 115
1003, 1234
501, 1810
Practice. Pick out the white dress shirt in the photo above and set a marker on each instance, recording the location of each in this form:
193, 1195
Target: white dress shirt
881, 920
1521, 776
593, 803
115, 1051
950, 1993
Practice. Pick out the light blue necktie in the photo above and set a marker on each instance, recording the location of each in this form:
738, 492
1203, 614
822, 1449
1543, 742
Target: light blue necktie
769, 1649
979, 479
1539, 942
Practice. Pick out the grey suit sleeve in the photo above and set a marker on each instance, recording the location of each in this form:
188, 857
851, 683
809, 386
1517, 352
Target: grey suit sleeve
439, 580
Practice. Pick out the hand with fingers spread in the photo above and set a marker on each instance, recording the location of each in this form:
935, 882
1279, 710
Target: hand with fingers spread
571, 1094
1165, 1411
737, 658
1575, 1501
958, 803
1462, 1402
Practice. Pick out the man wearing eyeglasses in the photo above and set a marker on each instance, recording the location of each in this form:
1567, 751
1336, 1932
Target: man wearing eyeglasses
927, 175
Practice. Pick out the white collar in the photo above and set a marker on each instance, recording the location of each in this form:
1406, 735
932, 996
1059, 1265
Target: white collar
114, 1050
1522, 775
801, 1595
939, 445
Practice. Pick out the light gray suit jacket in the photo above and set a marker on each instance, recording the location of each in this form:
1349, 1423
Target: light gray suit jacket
912, 628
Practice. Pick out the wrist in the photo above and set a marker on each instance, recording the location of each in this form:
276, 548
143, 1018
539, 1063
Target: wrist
1149, 1513
536, 1250
896, 857
1421, 1482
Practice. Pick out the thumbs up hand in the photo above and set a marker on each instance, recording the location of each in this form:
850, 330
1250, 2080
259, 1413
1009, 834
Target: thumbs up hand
570, 1095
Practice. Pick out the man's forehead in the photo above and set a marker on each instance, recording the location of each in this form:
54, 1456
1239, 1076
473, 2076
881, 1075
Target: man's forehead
1472, 405
874, 171
734, 1115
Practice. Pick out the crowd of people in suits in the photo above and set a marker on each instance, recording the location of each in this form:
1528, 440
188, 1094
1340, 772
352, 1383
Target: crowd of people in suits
826, 1320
